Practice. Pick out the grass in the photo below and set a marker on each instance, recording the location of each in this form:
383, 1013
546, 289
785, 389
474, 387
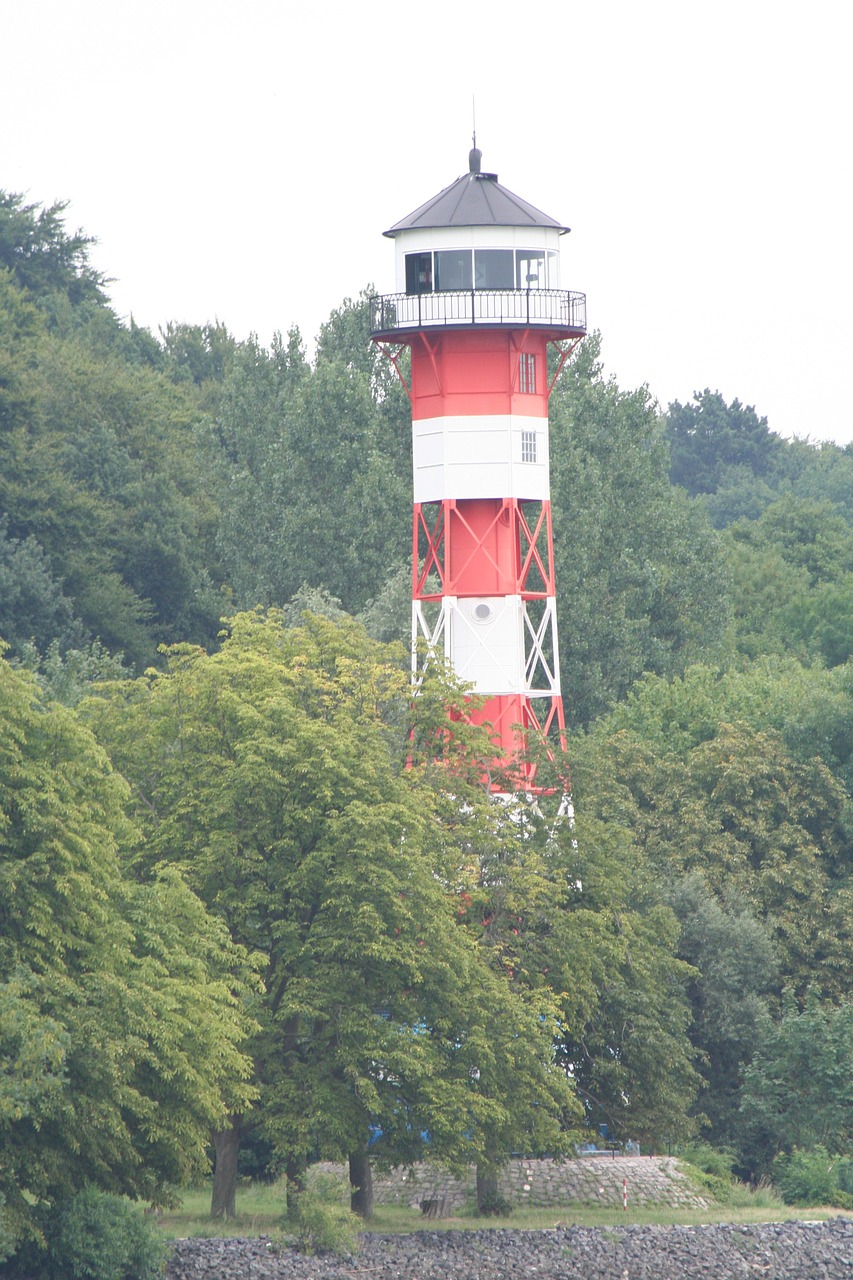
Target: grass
260, 1208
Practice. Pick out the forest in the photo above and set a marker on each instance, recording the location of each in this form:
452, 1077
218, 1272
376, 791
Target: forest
255, 907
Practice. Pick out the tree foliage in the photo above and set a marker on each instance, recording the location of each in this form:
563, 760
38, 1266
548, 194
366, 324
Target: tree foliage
273, 772
704, 565
120, 1031
313, 472
714, 445
798, 1091
640, 578
42, 256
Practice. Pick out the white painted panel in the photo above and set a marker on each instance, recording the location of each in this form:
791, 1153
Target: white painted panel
486, 643
431, 449
479, 457
492, 641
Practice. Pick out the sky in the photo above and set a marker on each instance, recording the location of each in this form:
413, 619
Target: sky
240, 161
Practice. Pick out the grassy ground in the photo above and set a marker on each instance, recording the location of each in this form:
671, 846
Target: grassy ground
260, 1209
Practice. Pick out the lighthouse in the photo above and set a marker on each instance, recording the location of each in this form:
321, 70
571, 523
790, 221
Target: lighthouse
479, 304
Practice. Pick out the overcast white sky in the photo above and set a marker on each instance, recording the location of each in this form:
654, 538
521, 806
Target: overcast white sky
240, 160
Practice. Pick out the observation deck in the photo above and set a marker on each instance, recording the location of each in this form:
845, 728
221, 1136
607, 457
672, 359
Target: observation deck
560, 312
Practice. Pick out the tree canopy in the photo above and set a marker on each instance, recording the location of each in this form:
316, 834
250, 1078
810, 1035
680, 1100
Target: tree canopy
273, 773
121, 1027
211, 798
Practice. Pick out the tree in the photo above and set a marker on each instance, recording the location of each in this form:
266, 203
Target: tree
100, 450
102, 476
20, 324
710, 442
202, 353
607, 944
811, 536
798, 1090
274, 772
736, 972
809, 707
746, 815
33, 606
640, 578
120, 1021
734, 786
41, 254
791, 570
313, 469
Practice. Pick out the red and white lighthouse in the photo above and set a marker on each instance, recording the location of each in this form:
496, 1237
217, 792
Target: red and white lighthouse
479, 304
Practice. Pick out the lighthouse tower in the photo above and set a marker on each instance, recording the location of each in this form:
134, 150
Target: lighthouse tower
479, 304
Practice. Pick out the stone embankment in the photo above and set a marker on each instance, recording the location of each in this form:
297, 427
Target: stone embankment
777, 1251
599, 1179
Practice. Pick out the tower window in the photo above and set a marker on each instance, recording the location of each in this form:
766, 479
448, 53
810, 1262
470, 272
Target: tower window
493, 269
527, 373
418, 273
528, 446
531, 272
452, 269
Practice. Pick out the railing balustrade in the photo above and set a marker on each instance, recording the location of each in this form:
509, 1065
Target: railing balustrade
555, 308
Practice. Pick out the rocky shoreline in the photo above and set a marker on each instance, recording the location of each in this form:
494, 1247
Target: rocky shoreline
773, 1251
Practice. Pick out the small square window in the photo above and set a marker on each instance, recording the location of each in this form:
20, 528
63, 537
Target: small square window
527, 373
528, 446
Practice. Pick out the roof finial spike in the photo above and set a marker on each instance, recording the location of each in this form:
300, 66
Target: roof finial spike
475, 155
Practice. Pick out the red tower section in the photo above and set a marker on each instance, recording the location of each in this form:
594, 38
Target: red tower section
479, 306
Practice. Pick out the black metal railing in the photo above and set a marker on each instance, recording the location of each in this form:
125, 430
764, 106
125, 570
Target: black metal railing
554, 308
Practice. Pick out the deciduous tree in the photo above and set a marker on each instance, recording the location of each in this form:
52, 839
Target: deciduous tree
273, 772
120, 1021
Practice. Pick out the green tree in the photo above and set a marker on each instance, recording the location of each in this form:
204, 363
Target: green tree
120, 1027
746, 815
736, 972
607, 944
33, 606
20, 325
798, 1090
791, 571
712, 444
313, 468
102, 474
640, 575
734, 785
100, 450
201, 352
273, 771
43, 257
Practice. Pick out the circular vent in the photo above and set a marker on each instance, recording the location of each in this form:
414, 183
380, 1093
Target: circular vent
482, 612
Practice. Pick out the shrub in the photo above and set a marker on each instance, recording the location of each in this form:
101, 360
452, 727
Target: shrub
709, 1169
321, 1221
96, 1236
711, 1160
845, 1174
813, 1177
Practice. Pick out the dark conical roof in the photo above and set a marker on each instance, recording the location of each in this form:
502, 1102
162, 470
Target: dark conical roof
475, 200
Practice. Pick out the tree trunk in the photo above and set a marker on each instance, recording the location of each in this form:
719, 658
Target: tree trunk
294, 1168
361, 1181
226, 1145
487, 1188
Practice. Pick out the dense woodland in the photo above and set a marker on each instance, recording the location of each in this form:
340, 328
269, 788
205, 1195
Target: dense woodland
253, 902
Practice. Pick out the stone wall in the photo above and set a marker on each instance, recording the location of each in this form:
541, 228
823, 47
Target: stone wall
589, 1180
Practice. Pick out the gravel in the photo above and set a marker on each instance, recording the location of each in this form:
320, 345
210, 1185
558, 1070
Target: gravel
773, 1251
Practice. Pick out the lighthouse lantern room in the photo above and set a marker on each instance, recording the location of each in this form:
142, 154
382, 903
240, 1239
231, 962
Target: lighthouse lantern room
479, 303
